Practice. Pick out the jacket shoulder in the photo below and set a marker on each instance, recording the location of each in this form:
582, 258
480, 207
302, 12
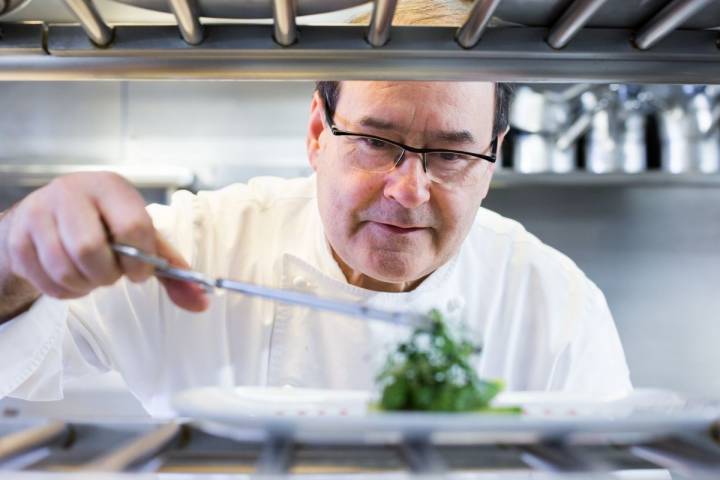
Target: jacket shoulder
519, 250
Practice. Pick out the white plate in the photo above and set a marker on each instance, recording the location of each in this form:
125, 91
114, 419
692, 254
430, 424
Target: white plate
339, 413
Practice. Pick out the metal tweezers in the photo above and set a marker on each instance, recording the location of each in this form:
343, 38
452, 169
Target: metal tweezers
164, 269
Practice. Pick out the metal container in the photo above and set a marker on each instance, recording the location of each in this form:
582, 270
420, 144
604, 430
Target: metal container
616, 136
547, 128
688, 126
538, 153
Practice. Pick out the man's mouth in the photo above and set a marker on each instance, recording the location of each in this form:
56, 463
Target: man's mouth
398, 229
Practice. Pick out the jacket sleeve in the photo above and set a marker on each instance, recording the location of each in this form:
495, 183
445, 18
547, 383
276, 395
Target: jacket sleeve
113, 328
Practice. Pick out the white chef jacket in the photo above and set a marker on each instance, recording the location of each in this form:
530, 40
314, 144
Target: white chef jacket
543, 325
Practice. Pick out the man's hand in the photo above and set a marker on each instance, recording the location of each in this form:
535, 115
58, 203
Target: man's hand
57, 240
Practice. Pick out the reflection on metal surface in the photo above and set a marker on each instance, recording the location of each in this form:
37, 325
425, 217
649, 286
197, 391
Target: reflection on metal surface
381, 22
574, 18
285, 32
186, 13
95, 28
668, 19
473, 28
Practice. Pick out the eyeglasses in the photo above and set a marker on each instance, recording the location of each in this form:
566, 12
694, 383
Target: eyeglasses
374, 154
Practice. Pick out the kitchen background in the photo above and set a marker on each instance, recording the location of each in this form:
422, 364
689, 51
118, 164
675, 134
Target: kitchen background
650, 240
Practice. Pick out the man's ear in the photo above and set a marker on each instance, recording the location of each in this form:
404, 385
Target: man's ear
315, 129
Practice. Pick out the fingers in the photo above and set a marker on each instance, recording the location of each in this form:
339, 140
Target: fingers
187, 295
123, 212
54, 259
24, 263
83, 235
58, 239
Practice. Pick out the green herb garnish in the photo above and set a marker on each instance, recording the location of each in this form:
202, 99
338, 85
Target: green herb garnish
432, 371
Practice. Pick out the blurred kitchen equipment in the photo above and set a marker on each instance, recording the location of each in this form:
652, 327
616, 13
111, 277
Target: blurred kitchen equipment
616, 136
548, 125
688, 126
164, 269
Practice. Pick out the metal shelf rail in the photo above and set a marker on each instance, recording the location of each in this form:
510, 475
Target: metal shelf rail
201, 449
660, 51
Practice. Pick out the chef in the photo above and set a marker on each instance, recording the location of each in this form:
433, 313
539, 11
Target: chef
391, 216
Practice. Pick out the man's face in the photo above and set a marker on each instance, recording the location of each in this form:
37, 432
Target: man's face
390, 230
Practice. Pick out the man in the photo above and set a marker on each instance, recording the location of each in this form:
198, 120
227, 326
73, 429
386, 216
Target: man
391, 217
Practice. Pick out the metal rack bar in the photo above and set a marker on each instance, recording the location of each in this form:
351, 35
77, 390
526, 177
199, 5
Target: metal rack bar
682, 455
285, 29
667, 20
135, 451
381, 22
555, 457
21, 39
95, 27
422, 457
572, 21
186, 14
340, 53
32, 438
275, 457
468, 35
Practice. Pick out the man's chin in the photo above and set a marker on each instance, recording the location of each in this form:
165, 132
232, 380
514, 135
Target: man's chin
394, 267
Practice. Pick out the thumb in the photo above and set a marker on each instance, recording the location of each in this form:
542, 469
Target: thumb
187, 295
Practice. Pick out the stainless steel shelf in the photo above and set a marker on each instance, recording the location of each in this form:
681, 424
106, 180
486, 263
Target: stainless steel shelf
509, 179
142, 176
243, 52
199, 450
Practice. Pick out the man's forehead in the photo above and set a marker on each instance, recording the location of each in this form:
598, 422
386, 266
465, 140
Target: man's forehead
410, 89
419, 105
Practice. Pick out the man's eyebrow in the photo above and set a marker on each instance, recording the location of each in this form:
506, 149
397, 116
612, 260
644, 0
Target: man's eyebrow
378, 123
460, 136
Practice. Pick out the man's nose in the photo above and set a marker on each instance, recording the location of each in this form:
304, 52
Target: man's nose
407, 183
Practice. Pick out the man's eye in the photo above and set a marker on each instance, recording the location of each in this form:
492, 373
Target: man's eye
374, 143
449, 156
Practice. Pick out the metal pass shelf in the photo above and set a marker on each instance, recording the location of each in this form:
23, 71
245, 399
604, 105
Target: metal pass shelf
566, 44
508, 179
70, 448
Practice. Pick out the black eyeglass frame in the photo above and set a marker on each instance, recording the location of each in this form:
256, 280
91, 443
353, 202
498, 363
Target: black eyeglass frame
339, 132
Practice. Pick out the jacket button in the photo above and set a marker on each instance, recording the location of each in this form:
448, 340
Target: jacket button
300, 283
